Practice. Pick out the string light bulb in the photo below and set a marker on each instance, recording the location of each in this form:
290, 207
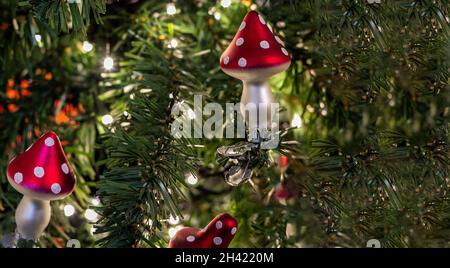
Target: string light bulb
173, 43
171, 9
107, 119
296, 121
95, 201
191, 179
174, 220
69, 210
191, 114
225, 3
108, 63
91, 215
173, 230
217, 15
87, 47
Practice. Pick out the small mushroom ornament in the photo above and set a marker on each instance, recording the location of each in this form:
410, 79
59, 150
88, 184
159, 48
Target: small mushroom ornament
253, 56
41, 173
218, 234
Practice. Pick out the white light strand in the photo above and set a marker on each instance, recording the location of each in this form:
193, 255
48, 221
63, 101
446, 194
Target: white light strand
87, 47
296, 121
69, 210
107, 119
108, 63
225, 3
191, 179
171, 9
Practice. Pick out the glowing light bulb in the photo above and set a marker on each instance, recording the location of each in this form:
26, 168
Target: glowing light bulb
95, 201
174, 220
225, 3
107, 119
296, 121
173, 43
108, 63
171, 9
87, 47
191, 179
91, 215
217, 15
69, 210
172, 232
191, 114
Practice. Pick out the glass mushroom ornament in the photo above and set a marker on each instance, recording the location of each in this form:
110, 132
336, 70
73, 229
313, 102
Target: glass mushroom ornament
217, 234
253, 56
41, 173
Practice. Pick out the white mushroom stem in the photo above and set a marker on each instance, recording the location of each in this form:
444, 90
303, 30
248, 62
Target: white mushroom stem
256, 108
32, 217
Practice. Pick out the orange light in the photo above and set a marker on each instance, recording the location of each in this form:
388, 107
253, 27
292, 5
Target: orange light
13, 108
12, 94
48, 76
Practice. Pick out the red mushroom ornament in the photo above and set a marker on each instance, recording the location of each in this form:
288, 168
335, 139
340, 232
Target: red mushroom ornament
254, 55
218, 234
41, 173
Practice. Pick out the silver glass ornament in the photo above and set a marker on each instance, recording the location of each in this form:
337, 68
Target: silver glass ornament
32, 217
256, 107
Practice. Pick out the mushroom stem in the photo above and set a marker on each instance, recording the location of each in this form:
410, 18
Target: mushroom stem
256, 107
32, 217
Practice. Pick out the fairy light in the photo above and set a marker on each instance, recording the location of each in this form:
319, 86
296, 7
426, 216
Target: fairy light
95, 201
173, 43
225, 3
87, 47
296, 121
173, 230
191, 179
91, 215
38, 39
171, 9
69, 210
191, 114
217, 15
174, 220
108, 63
107, 119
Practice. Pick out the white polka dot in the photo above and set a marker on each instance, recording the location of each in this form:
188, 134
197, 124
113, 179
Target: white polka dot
219, 225
264, 44
49, 142
284, 51
279, 40
190, 238
242, 62
217, 240
239, 41
65, 168
226, 60
18, 177
56, 188
242, 26
233, 231
39, 172
261, 19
